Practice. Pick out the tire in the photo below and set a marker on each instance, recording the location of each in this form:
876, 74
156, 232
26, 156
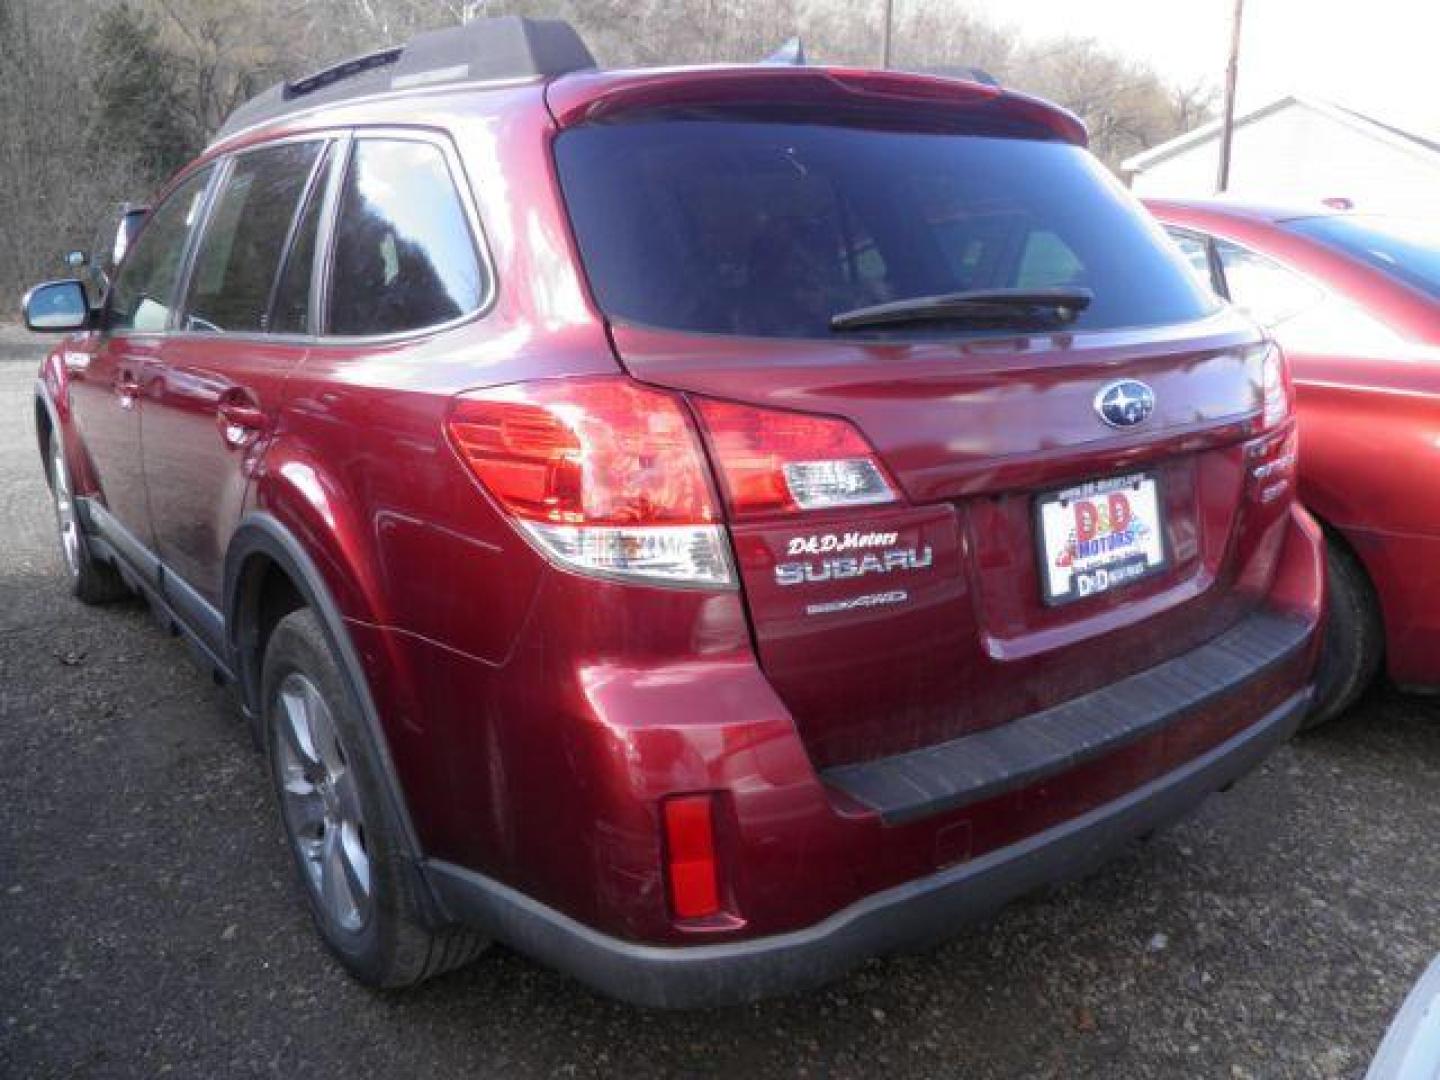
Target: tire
91, 581
338, 823
1354, 638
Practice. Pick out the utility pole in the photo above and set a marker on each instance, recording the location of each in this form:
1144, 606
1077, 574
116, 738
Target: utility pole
886, 32
1232, 71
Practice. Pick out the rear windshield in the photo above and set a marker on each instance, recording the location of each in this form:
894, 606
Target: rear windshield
769, 229
1406, 250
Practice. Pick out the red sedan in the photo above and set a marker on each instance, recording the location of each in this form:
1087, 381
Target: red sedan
1354, 299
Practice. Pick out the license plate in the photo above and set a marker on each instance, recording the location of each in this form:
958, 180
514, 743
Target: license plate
1099, 536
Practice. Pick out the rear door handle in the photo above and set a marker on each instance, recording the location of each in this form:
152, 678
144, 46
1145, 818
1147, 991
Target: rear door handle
242, 415
240, 421
128, 387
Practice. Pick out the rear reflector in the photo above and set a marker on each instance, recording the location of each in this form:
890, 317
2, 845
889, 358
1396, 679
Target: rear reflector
773, 461
690, 857
605, 475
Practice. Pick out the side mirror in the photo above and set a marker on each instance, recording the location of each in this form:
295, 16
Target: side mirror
129, 228
57, 306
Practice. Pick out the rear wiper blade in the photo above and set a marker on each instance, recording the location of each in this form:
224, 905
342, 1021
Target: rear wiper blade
975, 305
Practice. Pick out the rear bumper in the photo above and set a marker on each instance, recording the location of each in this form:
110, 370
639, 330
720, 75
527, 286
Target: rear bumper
911, 914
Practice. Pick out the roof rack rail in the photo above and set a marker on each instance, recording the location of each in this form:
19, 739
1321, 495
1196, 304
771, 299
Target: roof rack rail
507, 47
343, 70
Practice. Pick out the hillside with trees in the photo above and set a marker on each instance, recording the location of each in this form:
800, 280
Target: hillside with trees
101, 101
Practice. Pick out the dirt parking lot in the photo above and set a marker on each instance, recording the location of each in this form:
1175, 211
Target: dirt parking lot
149, 925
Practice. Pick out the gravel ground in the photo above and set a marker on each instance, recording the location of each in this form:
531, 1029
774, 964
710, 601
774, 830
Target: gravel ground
148, 923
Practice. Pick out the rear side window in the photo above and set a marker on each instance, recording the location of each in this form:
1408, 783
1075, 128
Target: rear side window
244, 240
753, 228
404, 257
290, 313
141, 297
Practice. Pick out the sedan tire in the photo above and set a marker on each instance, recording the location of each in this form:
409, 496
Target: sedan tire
1354, 637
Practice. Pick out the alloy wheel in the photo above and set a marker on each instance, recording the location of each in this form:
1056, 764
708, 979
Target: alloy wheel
64, 508
321, 804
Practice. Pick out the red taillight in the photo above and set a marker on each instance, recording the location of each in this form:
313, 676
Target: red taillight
1271, 459
690, 856
585, 452
1276, 387
606, 474
775, 461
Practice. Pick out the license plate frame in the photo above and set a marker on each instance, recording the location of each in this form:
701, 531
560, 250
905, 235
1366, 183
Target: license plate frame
1102, 572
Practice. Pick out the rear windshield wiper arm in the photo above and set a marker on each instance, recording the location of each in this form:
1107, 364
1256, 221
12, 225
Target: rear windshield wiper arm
975, 305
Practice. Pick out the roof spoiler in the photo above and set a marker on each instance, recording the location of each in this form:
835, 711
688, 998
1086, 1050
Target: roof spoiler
508, 47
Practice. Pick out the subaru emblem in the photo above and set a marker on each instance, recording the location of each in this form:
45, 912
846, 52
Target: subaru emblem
1125, 403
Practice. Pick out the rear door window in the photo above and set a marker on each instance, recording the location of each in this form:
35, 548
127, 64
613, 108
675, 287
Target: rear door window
749, 227
404, 257
1267, 291
240, 251
145, 287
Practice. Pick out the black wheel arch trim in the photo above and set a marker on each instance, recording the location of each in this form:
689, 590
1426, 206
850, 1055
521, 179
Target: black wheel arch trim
262, 534
42, 399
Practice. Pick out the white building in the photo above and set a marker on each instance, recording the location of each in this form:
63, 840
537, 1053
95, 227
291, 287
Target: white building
1300, 149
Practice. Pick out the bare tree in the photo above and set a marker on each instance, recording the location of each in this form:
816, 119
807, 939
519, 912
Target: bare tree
93, 112
51, 195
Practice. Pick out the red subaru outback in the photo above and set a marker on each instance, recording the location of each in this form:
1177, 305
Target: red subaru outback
700, 527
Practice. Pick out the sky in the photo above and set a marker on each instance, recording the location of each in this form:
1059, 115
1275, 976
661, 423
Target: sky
1379, 57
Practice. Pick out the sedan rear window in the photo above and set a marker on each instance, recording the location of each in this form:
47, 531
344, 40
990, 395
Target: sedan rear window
770, 229
1406, 250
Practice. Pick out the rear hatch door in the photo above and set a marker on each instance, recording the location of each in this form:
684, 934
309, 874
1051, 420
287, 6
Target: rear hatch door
721, 246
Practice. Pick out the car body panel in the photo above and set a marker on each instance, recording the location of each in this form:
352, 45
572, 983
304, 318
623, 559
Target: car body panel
199, 464
103, 392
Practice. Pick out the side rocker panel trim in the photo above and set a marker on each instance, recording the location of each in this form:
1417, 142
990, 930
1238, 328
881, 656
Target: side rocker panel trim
179, 608
42, 398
